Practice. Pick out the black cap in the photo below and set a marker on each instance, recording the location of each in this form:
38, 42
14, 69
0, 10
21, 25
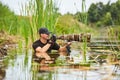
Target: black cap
43, 31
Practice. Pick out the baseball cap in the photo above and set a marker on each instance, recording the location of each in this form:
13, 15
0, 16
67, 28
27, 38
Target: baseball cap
43, 31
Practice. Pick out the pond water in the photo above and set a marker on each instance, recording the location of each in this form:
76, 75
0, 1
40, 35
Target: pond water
20, 68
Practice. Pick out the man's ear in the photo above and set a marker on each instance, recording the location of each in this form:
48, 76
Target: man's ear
41, 35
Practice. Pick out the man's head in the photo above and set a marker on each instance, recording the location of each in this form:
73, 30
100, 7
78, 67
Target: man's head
44, 33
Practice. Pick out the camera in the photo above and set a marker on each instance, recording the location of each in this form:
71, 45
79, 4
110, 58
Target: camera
53, 38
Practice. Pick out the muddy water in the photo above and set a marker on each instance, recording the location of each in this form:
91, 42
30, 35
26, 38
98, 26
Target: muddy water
20, 68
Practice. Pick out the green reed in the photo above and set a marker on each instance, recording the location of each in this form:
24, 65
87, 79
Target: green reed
40, 13
84, 13
84, 20
84, 50
45, 15
113, 36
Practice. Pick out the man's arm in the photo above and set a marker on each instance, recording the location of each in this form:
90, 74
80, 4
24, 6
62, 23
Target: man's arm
64, 48
43, 49
41, 52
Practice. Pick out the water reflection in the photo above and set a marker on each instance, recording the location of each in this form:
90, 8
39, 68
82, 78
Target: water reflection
19, 71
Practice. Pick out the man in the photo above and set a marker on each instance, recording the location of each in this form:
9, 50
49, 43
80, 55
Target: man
44, 45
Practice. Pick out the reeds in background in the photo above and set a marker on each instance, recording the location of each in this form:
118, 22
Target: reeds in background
42, 13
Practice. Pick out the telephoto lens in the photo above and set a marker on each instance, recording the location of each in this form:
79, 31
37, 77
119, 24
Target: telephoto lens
76, 37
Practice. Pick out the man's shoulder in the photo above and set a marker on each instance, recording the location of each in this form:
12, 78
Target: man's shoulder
37, 41
35, 44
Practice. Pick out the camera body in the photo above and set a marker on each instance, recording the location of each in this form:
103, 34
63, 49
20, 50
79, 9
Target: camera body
53, 38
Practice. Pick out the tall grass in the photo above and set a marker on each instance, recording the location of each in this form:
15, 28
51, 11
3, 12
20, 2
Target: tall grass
84, 13
114, 36
114, 39
84, 20
42, 13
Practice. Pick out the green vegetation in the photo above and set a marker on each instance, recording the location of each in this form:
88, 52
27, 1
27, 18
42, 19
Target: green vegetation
104, 15
99, 14
6, 17
64, 24
67, 25
37, 16
43, 14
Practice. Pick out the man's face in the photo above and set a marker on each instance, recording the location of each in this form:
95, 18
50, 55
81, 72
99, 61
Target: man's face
45, 36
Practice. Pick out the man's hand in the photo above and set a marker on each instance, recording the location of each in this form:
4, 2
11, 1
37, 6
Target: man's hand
68, 48
52, 39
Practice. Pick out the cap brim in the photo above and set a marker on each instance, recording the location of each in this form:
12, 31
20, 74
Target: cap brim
48, 33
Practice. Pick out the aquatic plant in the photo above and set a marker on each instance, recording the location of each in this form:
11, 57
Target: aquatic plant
84, 20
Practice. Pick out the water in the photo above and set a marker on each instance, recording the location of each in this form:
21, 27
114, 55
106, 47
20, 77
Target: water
22, 70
